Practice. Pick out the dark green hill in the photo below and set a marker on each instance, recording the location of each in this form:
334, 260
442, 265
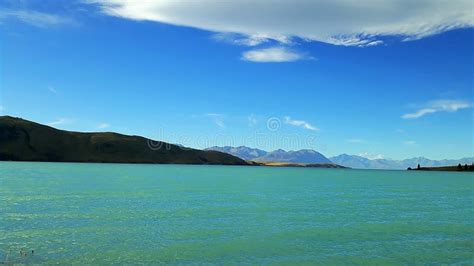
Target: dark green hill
22, 140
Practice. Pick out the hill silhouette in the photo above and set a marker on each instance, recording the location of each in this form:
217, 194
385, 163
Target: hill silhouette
23, 140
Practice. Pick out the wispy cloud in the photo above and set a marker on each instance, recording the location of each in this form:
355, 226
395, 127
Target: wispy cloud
409, 142
299, 123
339, 22
438, 106
60, 121
274, 55
252, 119
371, 156
218, 119
250, 40
35, 18
2, 108
103, 126
239, 39
354, 41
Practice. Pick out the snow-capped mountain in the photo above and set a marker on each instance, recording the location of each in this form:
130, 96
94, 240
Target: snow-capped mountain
355, 161
301, 156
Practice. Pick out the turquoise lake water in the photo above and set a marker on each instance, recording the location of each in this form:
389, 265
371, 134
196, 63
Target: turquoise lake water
175, 214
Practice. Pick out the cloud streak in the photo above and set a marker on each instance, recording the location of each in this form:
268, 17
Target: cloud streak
238, 39
218, 119
371, 156
273, 54
438, 106
339, 22
59, 122
34, 18
299, 123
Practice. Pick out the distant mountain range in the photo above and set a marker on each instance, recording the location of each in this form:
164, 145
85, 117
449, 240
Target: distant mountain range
257, 155
22, 140
354, 161
242, 152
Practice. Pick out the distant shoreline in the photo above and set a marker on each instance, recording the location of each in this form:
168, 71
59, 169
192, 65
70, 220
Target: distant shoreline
269, 164
311, 165
454, 168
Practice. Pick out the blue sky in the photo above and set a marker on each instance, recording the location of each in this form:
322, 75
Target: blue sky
203, 75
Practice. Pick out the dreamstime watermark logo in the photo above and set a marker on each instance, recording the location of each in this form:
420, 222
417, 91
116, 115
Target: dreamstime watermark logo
273, 124
157, 145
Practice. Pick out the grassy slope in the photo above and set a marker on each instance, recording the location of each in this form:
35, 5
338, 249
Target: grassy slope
22, 140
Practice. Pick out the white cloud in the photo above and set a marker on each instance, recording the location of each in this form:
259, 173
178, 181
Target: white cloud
409, 142
354, 41
2, 108
299, 123
218, 119
34, 18
371, 156
239, 39
438, 106
340, 22
103, 126
273, 54
374, 43
249, 40
61, 121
